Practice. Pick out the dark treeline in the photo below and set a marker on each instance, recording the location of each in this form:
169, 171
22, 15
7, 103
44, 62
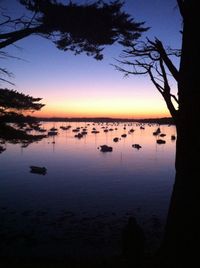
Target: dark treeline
164, 120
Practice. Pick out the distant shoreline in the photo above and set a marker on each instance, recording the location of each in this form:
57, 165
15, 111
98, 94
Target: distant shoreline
163, 120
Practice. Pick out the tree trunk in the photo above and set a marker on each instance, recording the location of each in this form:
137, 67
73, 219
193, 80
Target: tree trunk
180, 244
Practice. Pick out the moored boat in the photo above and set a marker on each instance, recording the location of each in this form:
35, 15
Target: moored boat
38, 170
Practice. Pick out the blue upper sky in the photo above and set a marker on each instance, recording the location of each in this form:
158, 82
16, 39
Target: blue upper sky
81, 86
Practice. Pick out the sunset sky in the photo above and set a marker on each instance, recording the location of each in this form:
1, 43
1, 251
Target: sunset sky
79, 86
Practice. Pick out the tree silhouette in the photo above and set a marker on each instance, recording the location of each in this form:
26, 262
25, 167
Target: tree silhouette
15, 101
79, 28
151, 58
12, 106
182, 230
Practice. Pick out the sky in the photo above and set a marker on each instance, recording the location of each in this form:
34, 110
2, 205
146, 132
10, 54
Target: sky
80, 86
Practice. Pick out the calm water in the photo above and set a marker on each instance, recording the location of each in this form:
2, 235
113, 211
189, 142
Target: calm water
84, 185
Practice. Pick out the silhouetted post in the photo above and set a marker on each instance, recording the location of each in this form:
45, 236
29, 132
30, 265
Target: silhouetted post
133, 242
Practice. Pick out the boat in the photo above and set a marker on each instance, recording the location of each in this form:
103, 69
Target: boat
105, 148
2, 149
155, 133
52, 133
137, 146
53, 129
38, 170
160, 141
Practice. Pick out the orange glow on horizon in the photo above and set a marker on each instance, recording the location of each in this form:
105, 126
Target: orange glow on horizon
110, 106
138, 114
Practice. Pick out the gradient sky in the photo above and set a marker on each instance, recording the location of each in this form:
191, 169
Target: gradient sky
79, 86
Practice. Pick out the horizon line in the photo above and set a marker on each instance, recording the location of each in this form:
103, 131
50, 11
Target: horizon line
104, 118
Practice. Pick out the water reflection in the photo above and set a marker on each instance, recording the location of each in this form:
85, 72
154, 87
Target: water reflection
82, 180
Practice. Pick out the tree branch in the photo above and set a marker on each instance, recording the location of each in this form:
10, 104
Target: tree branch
175, 98
159, 46
7, 81
164, 75
158, 86
17, 35
135, 72
181, 7
166, 92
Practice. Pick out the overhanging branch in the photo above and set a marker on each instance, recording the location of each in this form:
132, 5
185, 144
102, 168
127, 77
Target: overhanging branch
160, 48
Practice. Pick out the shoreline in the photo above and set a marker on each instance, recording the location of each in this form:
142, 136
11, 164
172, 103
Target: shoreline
71, 236
163, 120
